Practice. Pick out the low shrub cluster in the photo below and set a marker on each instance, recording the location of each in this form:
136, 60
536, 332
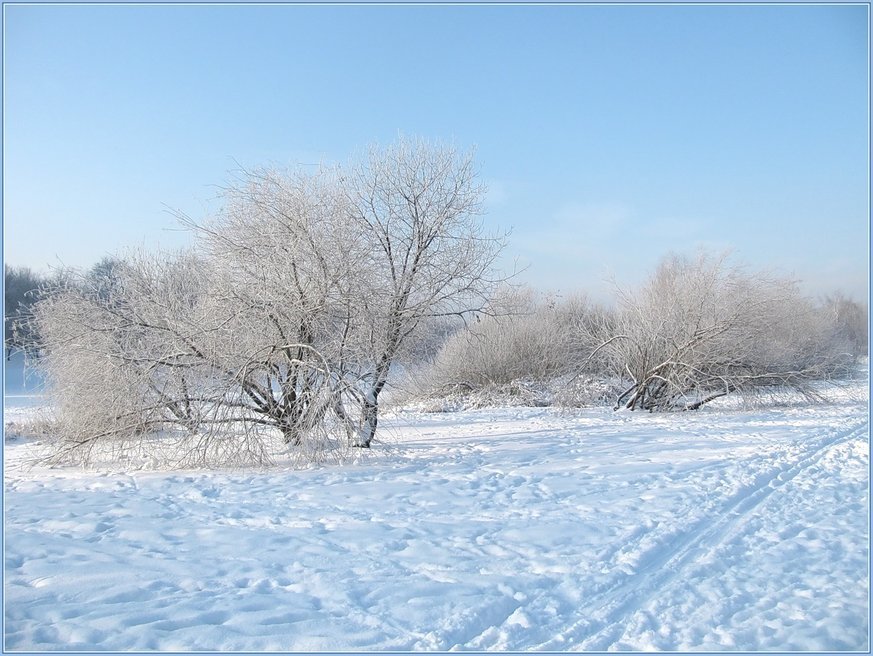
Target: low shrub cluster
698, 329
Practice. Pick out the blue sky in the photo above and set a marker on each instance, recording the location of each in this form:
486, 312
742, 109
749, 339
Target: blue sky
608, 135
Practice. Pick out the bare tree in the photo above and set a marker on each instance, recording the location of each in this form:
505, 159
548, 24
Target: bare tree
416, 205
120, 354
277, 250
302, 292
701, 329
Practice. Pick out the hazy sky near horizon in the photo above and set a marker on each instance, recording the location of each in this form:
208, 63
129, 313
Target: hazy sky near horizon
607, 135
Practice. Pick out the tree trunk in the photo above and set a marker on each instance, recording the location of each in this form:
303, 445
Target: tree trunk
368, 425
369, 416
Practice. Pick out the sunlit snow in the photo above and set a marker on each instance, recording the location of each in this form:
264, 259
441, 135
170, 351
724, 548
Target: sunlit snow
507, 529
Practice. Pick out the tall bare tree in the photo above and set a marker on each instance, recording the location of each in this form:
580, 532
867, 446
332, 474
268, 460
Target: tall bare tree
417, 207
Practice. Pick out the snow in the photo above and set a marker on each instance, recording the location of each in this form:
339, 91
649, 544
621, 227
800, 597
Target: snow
507, 529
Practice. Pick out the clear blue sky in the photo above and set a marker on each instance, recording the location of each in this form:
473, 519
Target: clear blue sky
608, 135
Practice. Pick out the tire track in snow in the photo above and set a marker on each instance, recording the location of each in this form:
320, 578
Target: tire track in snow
604, 616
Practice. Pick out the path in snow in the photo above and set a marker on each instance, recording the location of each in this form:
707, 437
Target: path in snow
508, 529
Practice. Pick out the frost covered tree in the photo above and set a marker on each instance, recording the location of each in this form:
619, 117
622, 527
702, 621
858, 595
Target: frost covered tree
281, 256
416, 206
526, 336
529, 348
121, 351
285, 320
701, 328
346, 266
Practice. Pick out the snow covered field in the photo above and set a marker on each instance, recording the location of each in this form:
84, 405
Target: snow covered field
511, 529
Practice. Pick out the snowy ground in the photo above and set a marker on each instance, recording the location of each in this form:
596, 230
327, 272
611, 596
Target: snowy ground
513, 529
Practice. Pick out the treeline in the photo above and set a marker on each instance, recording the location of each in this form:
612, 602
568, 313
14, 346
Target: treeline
310, 290
698, 329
